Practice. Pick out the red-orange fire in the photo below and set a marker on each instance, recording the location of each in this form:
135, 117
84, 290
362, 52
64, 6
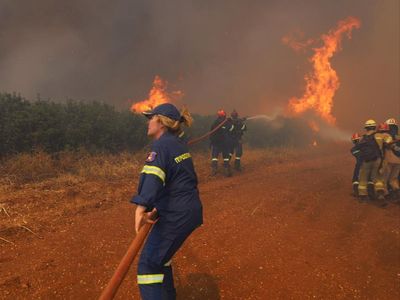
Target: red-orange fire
322, 82
157, 95
293, 40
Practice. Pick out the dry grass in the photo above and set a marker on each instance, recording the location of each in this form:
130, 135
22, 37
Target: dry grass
72, 166
38, 190
24, 168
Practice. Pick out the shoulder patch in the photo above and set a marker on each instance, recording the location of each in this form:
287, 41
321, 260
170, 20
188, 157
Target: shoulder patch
151, 156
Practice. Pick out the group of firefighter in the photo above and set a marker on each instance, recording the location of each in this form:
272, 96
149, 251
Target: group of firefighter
377, 168
226, 140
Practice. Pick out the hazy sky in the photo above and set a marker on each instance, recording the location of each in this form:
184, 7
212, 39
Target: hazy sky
219, 53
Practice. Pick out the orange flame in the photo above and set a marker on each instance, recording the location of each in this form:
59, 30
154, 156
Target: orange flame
322, 82
293, 41
157, 95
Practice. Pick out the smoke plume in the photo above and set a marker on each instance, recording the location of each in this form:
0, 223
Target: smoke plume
219, 53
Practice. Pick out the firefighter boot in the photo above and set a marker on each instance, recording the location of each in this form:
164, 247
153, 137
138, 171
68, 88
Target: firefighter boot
237, 165
396, 196
227, 170
363, 198
355, 189
371, 190
214, 167
380, 195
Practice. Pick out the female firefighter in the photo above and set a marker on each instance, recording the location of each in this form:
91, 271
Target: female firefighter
168, 186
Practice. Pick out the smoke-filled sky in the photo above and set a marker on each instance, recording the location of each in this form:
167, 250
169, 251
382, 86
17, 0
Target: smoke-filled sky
219, 53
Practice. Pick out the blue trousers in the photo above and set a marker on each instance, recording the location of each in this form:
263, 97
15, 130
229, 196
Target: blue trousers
237, 149
356, 172
218, 149
155, 276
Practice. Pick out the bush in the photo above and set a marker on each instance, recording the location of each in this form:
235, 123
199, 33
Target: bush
56, 127
99, 128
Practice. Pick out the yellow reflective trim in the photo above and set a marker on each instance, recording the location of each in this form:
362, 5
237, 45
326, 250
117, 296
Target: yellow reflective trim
182, 157
150, 278
153, 170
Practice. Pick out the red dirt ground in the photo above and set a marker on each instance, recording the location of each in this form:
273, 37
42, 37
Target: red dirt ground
285, 228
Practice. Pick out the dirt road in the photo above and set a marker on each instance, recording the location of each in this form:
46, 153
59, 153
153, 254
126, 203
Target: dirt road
285, 228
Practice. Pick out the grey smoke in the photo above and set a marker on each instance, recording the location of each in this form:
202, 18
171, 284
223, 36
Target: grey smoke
220, 53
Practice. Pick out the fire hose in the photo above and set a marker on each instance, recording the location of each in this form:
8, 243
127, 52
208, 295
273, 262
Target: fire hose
196, 140
123, 267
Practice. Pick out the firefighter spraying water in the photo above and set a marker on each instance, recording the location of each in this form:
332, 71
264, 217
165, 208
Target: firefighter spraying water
374, 164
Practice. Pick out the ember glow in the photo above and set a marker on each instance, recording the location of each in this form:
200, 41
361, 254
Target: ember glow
157, 95
322, 82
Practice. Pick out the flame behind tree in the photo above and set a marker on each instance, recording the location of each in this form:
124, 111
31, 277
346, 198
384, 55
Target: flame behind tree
157, 95
322, 82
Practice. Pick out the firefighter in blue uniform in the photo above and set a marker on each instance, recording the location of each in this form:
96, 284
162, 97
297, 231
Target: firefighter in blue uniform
221, 143
355, 151
239, 127
168, 186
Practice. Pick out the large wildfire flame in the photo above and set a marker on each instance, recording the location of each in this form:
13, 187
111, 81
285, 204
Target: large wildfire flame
157, 95
322, 82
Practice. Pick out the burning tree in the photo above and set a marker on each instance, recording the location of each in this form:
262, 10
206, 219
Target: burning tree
157, 95
322, 82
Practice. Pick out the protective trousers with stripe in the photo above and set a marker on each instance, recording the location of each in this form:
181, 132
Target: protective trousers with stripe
216, 150
155, 278
371, 171
391, 176
237, 151
356, 172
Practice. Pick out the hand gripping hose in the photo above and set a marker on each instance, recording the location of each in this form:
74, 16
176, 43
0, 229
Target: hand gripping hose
112, 287
123, 267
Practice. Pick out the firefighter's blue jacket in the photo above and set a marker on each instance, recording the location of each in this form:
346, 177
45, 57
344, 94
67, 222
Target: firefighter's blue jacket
168, 180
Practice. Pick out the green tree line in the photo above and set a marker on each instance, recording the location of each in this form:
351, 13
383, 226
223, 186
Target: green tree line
27, 125
98, 127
